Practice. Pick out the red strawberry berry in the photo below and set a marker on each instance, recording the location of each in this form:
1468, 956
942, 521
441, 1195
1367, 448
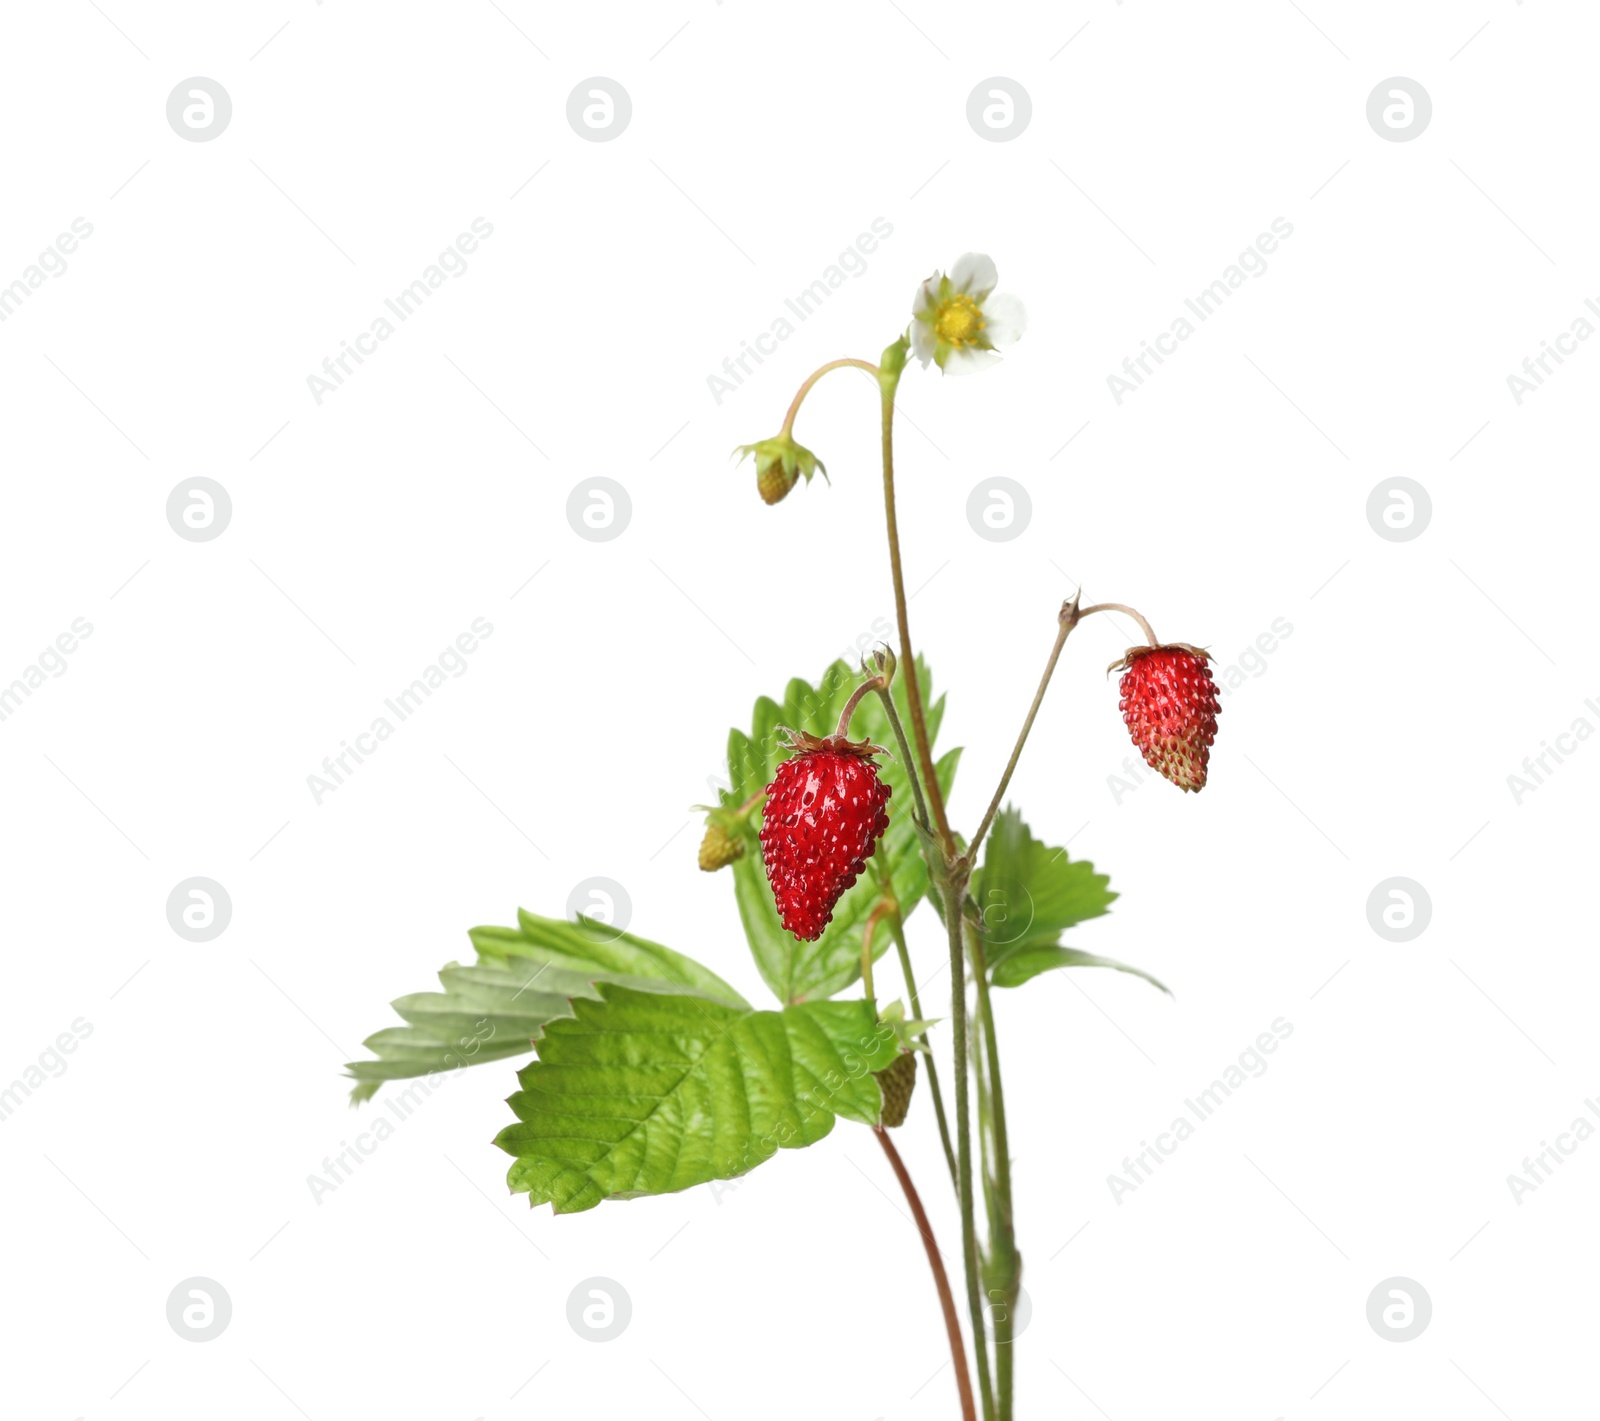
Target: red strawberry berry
1169, 703
825, 811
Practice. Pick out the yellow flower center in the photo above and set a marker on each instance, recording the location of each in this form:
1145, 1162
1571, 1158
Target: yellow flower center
959, 321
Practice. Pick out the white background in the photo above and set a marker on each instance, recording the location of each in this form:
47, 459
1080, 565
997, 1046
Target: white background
369, 530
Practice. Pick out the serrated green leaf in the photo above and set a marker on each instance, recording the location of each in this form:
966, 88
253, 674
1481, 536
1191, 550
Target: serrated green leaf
1021, 966
600, 953
525, 977
639, 1093
1028, 893
811, 971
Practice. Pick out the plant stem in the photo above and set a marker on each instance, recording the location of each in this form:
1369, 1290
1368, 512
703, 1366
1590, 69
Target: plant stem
906, 757
1004, 1271
997, 1096
946, 879
969, 1233
884, 906
1144, 626
994, 1298
919, 724
812, 378
897, 929
1004, 1359
947, 1302
1071, 614
1067, 620
873, 683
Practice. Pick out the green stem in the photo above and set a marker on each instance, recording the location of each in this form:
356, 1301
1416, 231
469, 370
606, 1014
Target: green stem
897, 929
888, 379
906, 757
1003, 1270
884, 907
994, 1297
947, 879
969, 1232
1067, 620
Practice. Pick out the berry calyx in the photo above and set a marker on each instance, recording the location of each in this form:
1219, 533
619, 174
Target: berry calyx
825, 812
1169, 704
780, 461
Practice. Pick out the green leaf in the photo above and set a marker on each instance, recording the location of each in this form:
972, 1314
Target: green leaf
640, 1093
811, 971
1018, 967
599, 953
1028, 893
524, 978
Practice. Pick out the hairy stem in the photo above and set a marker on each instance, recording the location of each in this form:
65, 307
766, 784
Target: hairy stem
919, 723
969, 1232
947, 1302
897, 929
812, 378
947, 879
906, 756
1003, 1266
1068, 619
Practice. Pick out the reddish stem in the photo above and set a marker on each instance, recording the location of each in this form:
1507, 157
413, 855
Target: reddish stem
941, 1280
876, 683
813, 377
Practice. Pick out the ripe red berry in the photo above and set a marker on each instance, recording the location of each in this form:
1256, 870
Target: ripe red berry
1169, 703
825, 811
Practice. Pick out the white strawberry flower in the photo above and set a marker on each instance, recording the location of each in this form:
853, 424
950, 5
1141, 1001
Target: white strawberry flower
959, 323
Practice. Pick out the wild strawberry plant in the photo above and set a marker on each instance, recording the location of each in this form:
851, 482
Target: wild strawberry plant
653, 1075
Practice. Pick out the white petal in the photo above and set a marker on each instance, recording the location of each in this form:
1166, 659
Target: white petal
922, 342
968, 360
974, 274
1004, 319
926, 295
